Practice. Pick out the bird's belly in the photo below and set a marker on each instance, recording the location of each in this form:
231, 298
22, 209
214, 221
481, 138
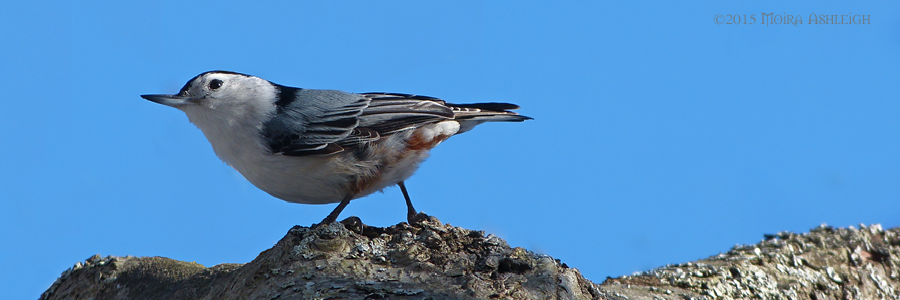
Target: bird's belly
323, 180
401, 170
305, 180
329, 179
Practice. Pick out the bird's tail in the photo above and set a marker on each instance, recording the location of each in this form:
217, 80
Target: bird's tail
470, 115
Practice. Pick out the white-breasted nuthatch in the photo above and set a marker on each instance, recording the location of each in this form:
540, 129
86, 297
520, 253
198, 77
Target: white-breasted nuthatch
322, 146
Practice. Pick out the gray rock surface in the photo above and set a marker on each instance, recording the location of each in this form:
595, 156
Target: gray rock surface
349, 260
826, 263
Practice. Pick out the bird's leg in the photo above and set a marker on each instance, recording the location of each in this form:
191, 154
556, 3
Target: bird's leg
410, 210
337, 211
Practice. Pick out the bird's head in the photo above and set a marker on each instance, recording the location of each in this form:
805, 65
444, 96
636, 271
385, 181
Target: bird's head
219, 91
221, 100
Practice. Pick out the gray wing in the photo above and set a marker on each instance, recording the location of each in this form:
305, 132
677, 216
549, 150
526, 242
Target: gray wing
323, 122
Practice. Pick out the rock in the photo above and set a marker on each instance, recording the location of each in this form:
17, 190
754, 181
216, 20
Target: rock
343, 260
349, 260
827, 263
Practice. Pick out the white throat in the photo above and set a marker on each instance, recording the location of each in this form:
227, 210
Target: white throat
232, 126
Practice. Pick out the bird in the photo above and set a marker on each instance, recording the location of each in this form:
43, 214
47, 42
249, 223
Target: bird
315, 146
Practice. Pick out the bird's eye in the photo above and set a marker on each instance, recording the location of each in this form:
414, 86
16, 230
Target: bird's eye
215, 84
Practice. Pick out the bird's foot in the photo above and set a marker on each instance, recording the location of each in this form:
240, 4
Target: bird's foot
325, 222
335, 213
353, 223
418, 218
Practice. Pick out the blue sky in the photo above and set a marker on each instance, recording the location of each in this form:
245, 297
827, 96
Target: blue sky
659, 136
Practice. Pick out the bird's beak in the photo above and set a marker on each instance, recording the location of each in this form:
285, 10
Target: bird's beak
170, 100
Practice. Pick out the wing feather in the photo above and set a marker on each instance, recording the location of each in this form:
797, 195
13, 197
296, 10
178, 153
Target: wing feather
324, 122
